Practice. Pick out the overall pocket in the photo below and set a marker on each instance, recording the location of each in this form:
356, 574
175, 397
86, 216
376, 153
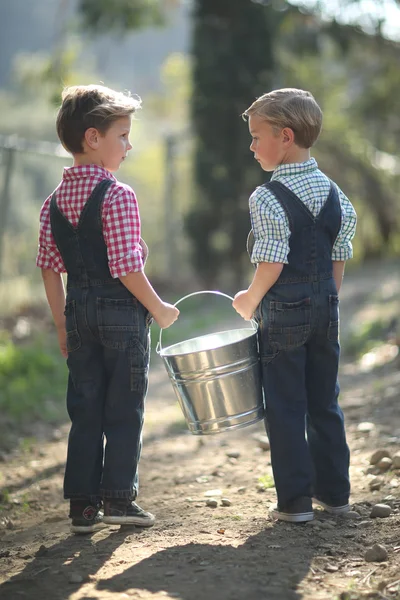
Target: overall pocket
71, 326
333, 327
118, 323
289, 324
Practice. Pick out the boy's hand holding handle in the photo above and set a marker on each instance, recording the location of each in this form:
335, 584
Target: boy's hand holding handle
137, 283
246, 301
167, 315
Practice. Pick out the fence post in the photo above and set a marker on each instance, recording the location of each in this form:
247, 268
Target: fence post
5, 198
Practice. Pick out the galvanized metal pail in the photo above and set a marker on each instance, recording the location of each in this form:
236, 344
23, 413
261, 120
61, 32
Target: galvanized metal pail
216, 378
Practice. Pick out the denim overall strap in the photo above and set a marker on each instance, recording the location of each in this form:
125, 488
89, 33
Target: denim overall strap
311, 238
83, 248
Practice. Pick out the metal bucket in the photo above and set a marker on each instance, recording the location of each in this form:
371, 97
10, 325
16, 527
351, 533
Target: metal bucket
216, 378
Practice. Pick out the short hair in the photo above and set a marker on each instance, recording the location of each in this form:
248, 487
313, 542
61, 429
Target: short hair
293, 108
85, 106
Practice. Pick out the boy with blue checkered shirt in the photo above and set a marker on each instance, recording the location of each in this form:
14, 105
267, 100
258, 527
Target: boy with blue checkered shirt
302, 227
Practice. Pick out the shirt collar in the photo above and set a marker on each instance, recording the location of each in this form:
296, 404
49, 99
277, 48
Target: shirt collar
82, 171
295, 168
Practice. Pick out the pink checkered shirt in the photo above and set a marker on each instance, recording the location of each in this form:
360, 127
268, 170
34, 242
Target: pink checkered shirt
120, 216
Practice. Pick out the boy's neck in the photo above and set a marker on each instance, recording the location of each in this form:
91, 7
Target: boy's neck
296, 155
81, 160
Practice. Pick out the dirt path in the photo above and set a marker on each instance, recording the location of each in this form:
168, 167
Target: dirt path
195, 552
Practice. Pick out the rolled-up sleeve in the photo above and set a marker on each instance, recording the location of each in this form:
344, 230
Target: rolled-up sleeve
343, 248
121, 230
48, 256
270, 228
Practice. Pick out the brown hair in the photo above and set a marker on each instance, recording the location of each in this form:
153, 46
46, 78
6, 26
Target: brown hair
293, 108
85, 106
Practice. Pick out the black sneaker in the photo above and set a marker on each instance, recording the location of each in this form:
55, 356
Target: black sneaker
123, 512
86, 517
297, 511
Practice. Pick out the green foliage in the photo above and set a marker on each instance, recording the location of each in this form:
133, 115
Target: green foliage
366, 335
32, 380
229, 71
120, 15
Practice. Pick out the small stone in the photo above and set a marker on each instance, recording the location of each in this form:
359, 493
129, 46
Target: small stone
372, 470
213, 493
241, 490
211, 503
75, 578
394, 483
233, 454
226, 502
314, 524
263, 443
331, 568
396, 461
377, 456
326, 525
366, 427
385, 464
57, 434
376, 483
351, 515
377, 553
381, 511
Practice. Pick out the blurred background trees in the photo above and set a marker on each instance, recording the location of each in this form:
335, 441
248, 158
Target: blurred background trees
198, 65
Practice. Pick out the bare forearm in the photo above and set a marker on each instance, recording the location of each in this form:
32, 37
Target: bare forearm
54, 287
141, 288
246, 301
137, 283
264, 278
338, 272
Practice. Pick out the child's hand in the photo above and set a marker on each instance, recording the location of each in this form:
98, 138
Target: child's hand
62, 340
167, 315
244, 305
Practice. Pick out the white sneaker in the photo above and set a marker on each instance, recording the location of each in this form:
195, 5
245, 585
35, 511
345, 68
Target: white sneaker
333, 510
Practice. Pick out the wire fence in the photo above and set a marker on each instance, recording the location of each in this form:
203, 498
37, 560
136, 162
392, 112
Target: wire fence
30, 170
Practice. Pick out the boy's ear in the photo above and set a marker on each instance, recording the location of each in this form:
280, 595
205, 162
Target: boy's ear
92, 138
288, 135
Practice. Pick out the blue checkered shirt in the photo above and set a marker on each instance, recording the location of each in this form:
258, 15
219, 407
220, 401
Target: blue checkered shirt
269, 221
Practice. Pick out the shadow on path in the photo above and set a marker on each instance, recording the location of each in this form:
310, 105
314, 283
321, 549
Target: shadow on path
58, 570
257, 569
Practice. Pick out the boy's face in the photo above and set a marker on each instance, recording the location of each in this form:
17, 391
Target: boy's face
114, 145
269, 146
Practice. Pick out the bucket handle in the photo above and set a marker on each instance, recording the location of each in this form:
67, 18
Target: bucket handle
253, 322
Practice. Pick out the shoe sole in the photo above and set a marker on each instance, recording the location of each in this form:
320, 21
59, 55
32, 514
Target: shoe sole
129, 521
82, 529
291, 517
333, 510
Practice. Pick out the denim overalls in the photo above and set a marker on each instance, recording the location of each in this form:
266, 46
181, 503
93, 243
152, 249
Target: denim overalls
299, 345
108, 360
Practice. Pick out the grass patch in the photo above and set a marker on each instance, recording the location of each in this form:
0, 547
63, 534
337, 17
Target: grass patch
366, 336
267, 481
33, 380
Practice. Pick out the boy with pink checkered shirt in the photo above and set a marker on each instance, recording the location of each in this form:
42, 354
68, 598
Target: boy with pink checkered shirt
90, 229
